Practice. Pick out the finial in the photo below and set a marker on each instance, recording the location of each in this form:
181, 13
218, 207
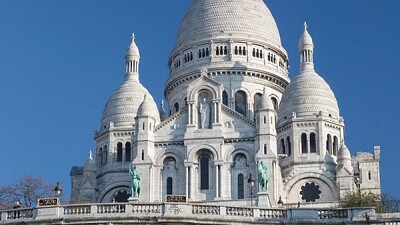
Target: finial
90, 154
162, 104
133, 37
305, 26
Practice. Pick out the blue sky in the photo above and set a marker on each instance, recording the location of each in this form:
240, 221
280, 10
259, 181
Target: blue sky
61, 60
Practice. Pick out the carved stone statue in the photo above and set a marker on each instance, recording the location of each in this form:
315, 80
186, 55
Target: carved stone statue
262, 176
204, 111
136, 181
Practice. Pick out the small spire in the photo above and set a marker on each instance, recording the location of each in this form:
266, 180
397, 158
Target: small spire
90, 154
162, 104
133, 37
305, 26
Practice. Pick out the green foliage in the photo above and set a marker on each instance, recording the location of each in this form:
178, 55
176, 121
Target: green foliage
361, 199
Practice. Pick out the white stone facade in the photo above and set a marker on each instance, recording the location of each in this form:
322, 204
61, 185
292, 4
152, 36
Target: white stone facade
231, 105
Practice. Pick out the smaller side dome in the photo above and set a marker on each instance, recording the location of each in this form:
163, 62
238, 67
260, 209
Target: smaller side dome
146, 108
90, 164
265, 102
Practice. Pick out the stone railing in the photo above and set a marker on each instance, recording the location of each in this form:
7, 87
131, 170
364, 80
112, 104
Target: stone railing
185, 213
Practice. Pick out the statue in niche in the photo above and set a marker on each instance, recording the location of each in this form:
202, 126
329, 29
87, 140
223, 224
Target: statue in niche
262, 176
204, 111
136, 181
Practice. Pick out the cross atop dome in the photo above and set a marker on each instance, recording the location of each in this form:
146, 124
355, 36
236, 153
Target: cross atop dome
133, 37
305, 26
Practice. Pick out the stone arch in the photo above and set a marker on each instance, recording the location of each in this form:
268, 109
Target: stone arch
194, 93
107, 193
195, 151
161, 156
311, 177
229, 154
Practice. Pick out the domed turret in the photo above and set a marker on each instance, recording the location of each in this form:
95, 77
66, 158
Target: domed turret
90, 164
145, 109
121, 109
307, 94
265, 101
344, 158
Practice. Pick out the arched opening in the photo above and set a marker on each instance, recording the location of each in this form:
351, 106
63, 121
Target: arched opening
369, 174
128, 151
225, 98
142, 155
204, 172
274, 103
313, 143
265, 149
121, 196
100, 159
105, 154
257, 101
240, 102
329, 144
283, 146
240, 187
119, 152
176, 107
335, 145
289, 146
169, 186
304, 148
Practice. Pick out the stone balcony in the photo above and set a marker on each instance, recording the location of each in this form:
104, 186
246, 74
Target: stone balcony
187, 213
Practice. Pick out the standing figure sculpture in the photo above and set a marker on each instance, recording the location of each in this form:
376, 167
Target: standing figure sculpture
204, 111
262, 176
136, 182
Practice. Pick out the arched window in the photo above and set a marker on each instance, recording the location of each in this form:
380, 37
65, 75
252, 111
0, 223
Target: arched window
225, 50
142, 155
217, 51
257, 101
244, 50
254, 52
261, 54
100, 159
289, 146
236, 50
335, 145
225, 98
169, 186
329, 144
369, 174
207, 52
105, 154
265, 149
119, 152
274, 103
176, 107
240, 187
240, 50
240, 102
199, 53
204, 172
313, 143
283, 146
127, 151
304, 148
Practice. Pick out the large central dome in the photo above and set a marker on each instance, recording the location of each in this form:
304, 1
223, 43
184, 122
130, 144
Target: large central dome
208, 18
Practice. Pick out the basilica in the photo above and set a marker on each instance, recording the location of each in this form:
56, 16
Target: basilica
230, 107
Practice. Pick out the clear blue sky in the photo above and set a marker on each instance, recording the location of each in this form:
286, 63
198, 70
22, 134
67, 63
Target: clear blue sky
61, 60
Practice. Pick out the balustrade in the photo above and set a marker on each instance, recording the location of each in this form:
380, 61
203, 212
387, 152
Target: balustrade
205, 210
273, 213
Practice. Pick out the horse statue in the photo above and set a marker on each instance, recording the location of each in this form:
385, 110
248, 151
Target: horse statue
262, 176
136, 181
